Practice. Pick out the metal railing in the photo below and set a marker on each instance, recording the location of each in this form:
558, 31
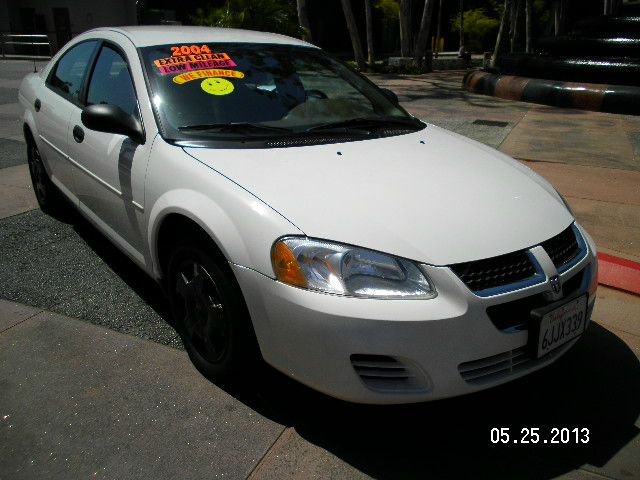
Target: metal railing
24, 45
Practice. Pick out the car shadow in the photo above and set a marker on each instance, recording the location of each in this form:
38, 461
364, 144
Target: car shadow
135, 278
593, 386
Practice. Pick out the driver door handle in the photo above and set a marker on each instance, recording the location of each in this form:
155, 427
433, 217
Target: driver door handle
78, 134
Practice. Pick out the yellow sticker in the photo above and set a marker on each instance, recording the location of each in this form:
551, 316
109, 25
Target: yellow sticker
211, 72
217, 86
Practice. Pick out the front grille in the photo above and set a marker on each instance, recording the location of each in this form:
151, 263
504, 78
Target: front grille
516, 314
495, 272
384, 373
563, 247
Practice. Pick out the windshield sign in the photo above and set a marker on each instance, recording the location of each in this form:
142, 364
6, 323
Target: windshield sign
234, 91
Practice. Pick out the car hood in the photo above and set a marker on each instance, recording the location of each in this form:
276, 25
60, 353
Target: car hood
432, 196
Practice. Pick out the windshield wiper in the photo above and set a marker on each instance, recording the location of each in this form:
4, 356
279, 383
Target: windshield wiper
239, 127
364, 124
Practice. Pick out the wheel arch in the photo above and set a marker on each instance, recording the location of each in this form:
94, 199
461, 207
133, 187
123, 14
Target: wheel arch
28, 134
187, 213
173, 228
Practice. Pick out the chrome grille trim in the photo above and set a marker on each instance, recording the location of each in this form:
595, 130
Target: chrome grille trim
507, 273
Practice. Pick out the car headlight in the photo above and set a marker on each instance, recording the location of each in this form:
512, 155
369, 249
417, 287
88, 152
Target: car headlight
345, 270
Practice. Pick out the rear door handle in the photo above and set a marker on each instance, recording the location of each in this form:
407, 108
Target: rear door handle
78, 134
37, 104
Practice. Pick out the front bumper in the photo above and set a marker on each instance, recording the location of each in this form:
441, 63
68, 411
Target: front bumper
397, 351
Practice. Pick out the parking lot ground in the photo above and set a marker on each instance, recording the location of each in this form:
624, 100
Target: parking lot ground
94, 381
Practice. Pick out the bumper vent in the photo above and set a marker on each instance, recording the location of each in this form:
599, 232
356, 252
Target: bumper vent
496, 271
563, 247
494, 367
497, 367
387, 374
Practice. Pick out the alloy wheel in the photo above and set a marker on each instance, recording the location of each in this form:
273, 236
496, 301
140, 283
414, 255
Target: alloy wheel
202, 311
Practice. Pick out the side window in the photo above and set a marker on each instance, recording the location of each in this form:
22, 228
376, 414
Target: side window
111, 82
69, 72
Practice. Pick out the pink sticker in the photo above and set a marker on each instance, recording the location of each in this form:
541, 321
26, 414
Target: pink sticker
198, 65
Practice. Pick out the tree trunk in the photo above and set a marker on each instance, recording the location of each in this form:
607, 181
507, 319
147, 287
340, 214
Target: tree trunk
368, 15
461, 49
560, 16
513, 31
405, 28
529, 27
423, 35
303, 20
503, 26
353, 33
437, 42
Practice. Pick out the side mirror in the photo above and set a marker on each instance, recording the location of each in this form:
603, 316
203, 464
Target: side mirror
112, 119
390, 95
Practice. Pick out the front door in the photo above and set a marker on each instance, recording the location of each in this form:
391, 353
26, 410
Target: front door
112, 167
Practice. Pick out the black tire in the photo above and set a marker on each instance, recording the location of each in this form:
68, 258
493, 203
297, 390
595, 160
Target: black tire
47, 194
210, 313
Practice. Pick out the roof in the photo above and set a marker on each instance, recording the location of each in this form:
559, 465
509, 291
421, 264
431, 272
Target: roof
148, 35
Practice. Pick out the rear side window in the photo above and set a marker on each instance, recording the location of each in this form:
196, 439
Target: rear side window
111, 82
70, 70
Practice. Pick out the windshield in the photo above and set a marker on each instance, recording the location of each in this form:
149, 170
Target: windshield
228, 91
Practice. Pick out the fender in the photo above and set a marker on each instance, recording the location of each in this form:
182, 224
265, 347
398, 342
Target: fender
185, 202
242, 226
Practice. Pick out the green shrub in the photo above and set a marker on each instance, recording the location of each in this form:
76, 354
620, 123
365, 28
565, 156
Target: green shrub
480, 29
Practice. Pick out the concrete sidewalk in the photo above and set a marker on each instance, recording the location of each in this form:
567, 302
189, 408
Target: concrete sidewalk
83, 401
94, 381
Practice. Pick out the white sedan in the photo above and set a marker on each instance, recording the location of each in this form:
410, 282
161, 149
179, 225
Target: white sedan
291, 208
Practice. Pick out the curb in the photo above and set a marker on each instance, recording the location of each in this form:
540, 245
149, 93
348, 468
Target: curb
619, 273
623, 99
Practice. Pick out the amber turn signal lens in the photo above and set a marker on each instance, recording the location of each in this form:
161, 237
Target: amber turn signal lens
286, 266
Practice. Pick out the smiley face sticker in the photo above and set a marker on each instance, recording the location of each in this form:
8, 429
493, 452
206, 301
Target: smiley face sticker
217, 86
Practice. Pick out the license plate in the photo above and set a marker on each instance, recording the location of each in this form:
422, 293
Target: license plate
561, 325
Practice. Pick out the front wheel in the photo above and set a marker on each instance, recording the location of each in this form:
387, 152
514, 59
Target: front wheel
49, 198
210, 313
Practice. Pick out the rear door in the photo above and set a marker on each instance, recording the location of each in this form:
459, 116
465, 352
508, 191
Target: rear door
54, 105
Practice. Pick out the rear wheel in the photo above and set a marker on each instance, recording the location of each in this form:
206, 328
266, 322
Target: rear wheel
210, 313
47, 195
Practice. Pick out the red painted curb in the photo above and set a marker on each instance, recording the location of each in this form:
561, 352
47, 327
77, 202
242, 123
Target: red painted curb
619, 273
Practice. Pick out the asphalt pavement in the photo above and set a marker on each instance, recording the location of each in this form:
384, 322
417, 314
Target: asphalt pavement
94, 382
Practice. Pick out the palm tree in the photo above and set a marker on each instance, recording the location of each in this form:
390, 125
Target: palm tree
303, 19
423, 34
529, 26
368, 15
353, 33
